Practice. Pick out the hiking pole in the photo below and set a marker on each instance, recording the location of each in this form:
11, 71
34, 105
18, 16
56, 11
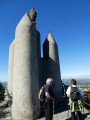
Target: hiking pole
53, 107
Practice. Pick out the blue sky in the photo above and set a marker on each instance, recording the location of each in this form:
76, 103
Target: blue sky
69, 22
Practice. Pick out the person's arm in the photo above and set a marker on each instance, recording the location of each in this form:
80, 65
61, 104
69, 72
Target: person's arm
68, 95
49, 96
68, 91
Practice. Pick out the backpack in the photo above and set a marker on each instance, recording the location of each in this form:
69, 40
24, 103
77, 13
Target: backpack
74, 94
41, 94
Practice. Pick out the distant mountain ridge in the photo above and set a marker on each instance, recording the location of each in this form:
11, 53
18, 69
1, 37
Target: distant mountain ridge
81, 78
4, 84
76, 77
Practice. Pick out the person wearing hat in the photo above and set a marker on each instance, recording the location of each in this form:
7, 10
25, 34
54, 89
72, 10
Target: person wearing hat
49, 99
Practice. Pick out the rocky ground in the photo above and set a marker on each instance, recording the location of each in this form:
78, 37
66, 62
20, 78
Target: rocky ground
5, 111
60, 114
64, 116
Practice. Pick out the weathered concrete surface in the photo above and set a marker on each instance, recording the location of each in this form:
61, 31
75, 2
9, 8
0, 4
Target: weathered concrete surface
10, 68
38, 54
25, 77
50, 53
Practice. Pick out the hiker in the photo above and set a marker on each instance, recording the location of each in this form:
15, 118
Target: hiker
49, 99
75, 94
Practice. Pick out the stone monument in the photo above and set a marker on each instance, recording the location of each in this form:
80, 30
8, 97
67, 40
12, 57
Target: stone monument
50, 54
27, 71
10, 68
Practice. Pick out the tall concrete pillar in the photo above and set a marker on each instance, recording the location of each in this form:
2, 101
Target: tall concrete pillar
39, 55
38, 45
25, 82
10, 68
50, 53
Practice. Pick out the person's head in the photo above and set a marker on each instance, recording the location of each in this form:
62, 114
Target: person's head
73, 82
49, 81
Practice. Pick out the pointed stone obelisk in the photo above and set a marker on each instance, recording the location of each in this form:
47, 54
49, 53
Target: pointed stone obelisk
50, 54
10, 68
25, 76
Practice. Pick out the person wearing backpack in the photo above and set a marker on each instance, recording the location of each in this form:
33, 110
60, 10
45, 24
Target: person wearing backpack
49, 99
75, 94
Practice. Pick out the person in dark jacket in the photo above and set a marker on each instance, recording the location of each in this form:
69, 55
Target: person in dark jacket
49, 99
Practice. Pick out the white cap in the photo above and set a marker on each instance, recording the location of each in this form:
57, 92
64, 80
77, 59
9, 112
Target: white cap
49, 80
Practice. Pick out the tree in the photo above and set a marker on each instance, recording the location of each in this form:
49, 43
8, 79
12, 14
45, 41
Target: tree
2, 91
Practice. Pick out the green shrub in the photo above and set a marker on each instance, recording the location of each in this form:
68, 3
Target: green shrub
2, 90
86, 100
